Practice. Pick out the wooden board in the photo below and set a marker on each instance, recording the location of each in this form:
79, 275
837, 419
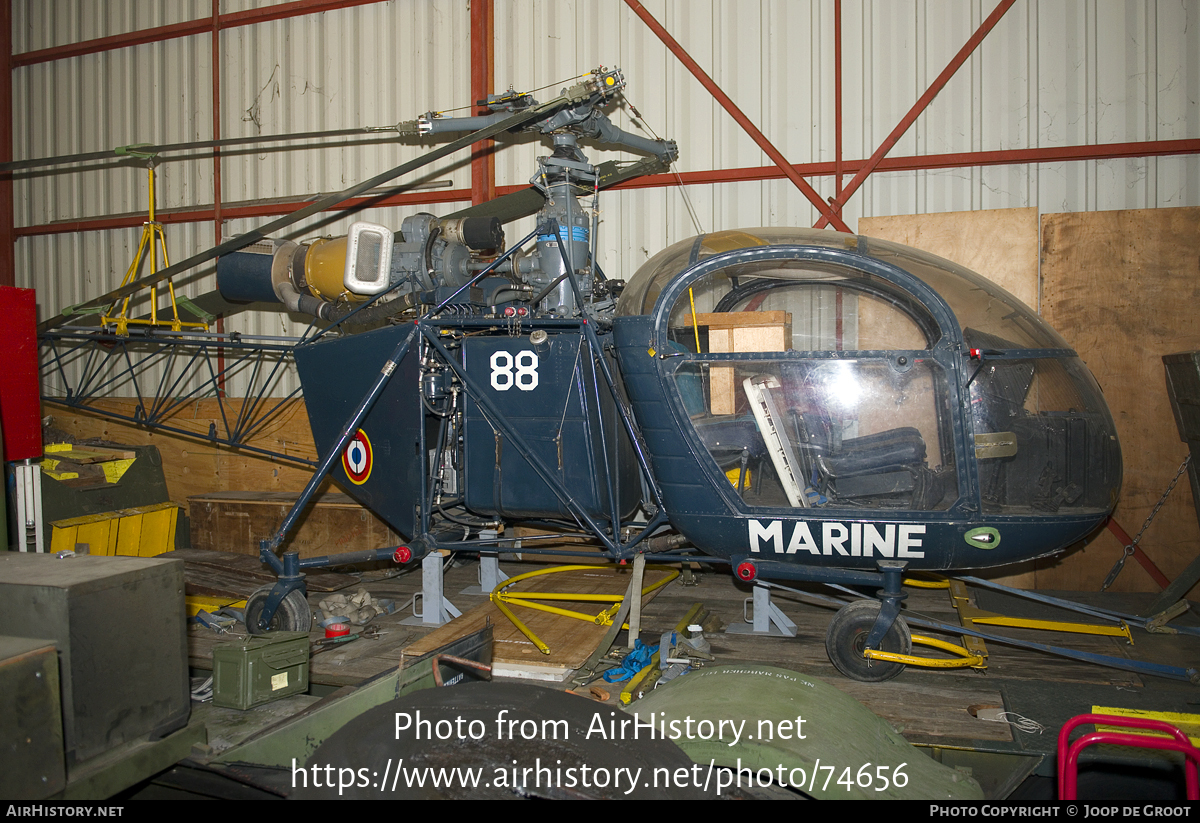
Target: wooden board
1000, 244
332, 524
741, 331
1123, 288
571, 641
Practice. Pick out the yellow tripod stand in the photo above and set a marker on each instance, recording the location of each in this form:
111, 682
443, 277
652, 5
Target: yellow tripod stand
152, 231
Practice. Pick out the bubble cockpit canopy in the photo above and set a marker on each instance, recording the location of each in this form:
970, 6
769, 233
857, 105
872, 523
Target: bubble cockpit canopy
825, 370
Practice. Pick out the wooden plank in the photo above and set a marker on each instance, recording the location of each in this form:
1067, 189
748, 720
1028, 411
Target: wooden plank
1123, 288
930, 712
1000, 244
743, 331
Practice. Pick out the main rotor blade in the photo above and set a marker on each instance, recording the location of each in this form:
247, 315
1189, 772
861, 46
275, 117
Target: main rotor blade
261, 233
141, 150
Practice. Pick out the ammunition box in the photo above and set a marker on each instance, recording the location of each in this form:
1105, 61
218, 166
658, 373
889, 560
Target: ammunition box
260, 669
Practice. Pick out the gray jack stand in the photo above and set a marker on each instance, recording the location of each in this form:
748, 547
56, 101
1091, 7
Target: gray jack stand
490, 576
436, 610
767, 619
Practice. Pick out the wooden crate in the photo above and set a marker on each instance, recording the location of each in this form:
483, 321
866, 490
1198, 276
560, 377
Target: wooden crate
741, 331
333, 523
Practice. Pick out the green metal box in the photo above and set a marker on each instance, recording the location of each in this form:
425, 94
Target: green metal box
260, 669
31, 732
121, 633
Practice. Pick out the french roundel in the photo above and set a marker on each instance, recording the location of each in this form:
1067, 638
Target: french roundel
357, 458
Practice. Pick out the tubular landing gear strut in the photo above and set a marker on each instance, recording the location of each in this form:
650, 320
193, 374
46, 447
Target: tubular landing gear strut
868, 625
859, 628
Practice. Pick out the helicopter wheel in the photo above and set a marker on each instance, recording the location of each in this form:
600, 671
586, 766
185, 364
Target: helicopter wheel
847, 639
293, 614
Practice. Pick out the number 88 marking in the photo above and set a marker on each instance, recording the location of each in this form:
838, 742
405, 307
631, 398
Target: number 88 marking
521, 370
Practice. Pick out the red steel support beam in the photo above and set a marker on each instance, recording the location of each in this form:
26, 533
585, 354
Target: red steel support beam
1061, 154
8, 267
1138, 554
1107, 151
216, 117
216, 166
742, 120
920, 106
483, 67
837, 99
201, 25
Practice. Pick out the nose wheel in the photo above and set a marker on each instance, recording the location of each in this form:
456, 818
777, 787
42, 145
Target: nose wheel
846, 641
293, 614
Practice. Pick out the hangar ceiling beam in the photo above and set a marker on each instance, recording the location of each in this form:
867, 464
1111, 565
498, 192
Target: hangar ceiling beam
922, 103
201, 25
757, 136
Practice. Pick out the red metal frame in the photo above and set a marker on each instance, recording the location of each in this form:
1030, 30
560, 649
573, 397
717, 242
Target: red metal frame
1068, 758
742, 120
215, 42
922, 103
483, 166
8, 267
1138, 555
200, 25
483, 66
1108, 151
838, 171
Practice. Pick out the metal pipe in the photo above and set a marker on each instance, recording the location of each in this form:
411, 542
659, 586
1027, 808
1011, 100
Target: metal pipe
195, 145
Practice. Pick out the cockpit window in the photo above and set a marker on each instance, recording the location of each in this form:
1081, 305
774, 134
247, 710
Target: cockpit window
798, 305
872, 431
648, 282
977, 302
856, 415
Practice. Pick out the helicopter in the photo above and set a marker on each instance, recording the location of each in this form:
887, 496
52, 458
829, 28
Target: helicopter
801, 404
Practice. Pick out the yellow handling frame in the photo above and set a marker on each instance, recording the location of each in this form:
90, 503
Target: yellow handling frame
973, 652
500, 597
152, 231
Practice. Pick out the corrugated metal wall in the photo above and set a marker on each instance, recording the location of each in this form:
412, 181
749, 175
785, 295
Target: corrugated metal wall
1051, 74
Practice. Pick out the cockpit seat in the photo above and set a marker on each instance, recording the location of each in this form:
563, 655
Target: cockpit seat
884, 464
734, 442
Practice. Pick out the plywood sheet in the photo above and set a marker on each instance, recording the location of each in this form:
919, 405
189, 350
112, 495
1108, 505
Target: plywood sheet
235, 522
1123, 288
1000, 244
